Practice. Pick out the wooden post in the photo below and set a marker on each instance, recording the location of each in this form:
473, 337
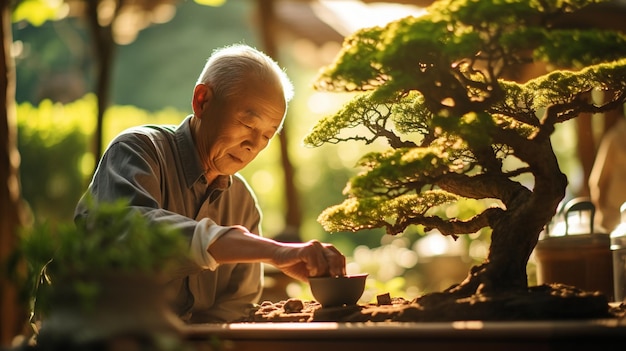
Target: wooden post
11, 216
293, 216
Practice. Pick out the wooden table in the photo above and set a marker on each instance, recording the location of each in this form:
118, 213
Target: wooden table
387, 336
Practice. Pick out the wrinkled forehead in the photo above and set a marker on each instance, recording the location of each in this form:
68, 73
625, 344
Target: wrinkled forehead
266, 88
263, 98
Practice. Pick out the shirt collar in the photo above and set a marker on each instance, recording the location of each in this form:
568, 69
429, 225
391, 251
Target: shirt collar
192, 167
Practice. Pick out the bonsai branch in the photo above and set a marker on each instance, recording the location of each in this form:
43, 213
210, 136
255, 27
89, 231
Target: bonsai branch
478, 186
453, 227
581, 103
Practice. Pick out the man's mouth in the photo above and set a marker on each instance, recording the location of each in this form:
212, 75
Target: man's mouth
237, 159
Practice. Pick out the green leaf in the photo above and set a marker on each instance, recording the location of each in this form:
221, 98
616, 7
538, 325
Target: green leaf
37, 12
211, 2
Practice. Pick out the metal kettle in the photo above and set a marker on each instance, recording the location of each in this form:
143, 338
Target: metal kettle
574, 251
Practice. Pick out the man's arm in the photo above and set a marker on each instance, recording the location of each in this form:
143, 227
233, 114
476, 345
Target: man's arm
298, 260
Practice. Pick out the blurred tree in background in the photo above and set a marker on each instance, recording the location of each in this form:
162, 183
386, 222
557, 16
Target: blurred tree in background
11, 213
60, 61
51, 146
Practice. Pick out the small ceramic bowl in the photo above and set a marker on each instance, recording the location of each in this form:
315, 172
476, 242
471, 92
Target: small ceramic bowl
338, 291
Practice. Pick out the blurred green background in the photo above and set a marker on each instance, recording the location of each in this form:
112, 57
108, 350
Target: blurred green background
152, 82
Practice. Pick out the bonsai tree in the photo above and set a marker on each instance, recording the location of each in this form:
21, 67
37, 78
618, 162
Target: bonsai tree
434, 88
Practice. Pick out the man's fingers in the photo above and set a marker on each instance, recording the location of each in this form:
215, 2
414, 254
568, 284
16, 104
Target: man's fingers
336, 260
316, 262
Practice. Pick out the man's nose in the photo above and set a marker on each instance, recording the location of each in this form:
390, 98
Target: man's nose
255, 142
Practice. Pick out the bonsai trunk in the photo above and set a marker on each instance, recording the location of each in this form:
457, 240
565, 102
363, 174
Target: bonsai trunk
516, 232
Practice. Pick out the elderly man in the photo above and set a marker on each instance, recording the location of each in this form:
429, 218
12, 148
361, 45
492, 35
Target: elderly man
186, 175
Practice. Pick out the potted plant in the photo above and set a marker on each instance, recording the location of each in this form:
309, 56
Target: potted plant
435, 88
100, 278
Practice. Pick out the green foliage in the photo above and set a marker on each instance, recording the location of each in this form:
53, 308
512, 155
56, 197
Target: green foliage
211, 2
398, 171
432, 87
563, 86
394, 121
54, 145
457, 33
359, 67
355, 213
37, 12
112, 240
592, 47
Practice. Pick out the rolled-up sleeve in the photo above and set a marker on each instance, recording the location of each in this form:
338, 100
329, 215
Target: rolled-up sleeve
204, 235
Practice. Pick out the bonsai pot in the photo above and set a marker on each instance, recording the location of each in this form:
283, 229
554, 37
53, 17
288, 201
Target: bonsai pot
85, 310
338, 291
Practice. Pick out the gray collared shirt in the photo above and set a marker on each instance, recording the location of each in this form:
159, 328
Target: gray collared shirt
157, 168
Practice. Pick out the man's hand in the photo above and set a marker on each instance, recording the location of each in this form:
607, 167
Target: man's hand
310, 259
297, 260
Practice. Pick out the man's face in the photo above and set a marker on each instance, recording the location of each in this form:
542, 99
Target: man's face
233, 132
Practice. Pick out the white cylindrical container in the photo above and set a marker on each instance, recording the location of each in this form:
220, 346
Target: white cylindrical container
618, 249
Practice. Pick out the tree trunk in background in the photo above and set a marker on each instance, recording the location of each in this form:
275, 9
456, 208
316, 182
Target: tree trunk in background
585, 149
589, 142
293, 214
11, 215
104, 47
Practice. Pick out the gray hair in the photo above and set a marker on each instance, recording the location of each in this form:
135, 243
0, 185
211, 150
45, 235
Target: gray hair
228, 68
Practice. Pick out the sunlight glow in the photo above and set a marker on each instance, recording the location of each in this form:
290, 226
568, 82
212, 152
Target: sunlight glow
406, 258
284, 326
320, 103
325, 103
294, 290
347, 16
436, 244
163, 13
432, 245
474, 325
348, 153
211, 2
353, 268
310, 178
262, 181
478, 249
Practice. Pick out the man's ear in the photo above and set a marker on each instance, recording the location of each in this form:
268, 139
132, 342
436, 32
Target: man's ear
202, 95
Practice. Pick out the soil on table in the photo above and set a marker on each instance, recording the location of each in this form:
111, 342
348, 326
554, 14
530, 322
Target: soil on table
543, 302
